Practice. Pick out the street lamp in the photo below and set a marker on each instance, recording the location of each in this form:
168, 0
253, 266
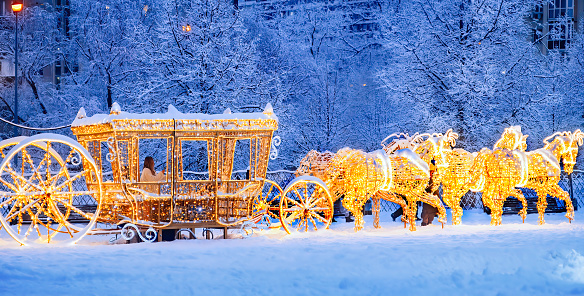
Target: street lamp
16, 7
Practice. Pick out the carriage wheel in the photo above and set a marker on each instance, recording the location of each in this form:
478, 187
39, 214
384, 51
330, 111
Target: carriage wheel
45, 199
268, 202
306, 205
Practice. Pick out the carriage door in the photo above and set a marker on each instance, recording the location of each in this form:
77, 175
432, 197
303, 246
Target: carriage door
155, 181
194, 198
237, 171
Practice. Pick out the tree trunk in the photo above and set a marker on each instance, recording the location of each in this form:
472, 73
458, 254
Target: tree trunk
35, 91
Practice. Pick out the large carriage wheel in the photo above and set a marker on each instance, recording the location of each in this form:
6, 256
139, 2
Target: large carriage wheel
45, 198
268, 202
306, 205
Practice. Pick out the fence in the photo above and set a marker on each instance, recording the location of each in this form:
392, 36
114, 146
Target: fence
573, 184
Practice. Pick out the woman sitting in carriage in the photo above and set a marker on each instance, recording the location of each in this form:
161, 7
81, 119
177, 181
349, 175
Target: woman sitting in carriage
149, 173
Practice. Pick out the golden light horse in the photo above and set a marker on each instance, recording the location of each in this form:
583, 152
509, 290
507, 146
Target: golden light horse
357, 176
454, 164
544, 169
453, 168
499, 172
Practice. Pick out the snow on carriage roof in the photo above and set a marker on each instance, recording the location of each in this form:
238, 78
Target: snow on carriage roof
172, 113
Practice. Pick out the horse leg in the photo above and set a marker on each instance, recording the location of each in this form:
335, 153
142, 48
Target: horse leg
392, 197
497, 212
456, 208
411, 209
541, 204
450, 200
487, 198
352, 202
375, 208
557, 192
519, 195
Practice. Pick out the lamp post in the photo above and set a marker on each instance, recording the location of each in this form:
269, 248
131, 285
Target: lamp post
16, 7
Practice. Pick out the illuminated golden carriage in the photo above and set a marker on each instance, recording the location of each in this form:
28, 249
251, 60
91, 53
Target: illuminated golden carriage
48, 198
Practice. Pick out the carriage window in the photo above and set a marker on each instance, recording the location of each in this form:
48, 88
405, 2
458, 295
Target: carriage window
195, 161
155, 148
241, 161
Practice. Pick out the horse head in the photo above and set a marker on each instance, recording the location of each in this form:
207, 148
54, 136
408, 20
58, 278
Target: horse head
564, 146
401, 141
512, 139
436, 147
314, 163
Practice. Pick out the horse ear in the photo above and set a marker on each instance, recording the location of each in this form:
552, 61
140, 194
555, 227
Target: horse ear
578, 136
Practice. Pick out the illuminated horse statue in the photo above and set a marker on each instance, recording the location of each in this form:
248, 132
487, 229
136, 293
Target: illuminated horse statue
497, 173
357, 176
544, 169
453, 168
454, 164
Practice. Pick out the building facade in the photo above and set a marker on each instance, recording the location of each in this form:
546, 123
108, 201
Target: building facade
555, 22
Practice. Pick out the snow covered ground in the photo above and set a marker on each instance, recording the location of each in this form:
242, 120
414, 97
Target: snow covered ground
472, 259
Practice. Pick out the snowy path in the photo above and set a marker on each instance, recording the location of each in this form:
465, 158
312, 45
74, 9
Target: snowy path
473, 259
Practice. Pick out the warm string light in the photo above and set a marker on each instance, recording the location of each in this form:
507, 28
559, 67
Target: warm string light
47, 199
505, 168
357, 176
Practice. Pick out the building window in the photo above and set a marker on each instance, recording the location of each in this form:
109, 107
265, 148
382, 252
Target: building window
561, 9
538, 12
560, 24
560, 34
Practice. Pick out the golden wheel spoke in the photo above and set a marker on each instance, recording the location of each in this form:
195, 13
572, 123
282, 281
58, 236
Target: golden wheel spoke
302, 221
35, 171
293, 209
294, 202
314, 201
73, 193
62, 173
7, 201
62, 220
74, 208
319, 217
299, 196
79, 175
292, 217
313, 222
8, 218
25, 181
11, 186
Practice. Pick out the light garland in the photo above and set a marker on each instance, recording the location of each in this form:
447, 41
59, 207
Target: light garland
508, 166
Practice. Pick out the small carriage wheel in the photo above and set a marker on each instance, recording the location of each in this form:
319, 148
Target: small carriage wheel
306, 205
268, 202
41, 194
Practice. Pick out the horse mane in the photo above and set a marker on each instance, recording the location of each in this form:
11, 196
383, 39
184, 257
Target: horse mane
401, 141
578, 136
546, 141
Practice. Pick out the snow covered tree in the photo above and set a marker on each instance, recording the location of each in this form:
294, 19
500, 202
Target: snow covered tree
41, 43
464, 64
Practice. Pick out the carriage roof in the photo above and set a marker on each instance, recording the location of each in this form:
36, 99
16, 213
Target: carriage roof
173, 120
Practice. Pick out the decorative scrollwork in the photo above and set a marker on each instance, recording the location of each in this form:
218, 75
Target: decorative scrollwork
130, 230
111, 155
276, 141
177, 236
208, 233
75, 158
264, 223
246, 229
